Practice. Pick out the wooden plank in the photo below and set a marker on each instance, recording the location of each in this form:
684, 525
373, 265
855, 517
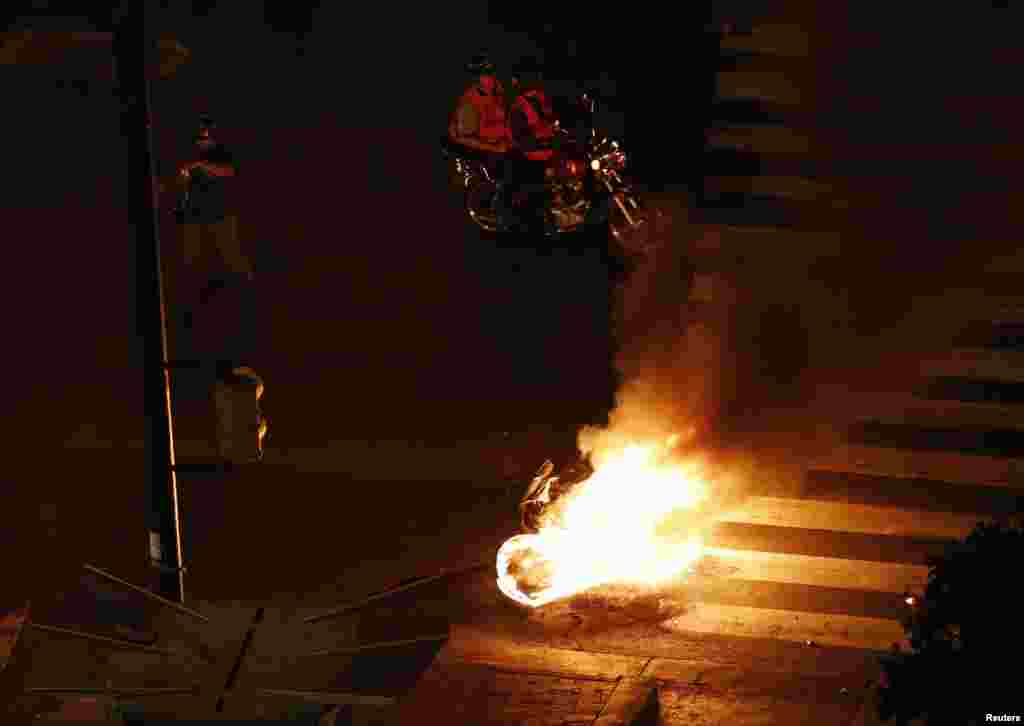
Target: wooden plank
383, 645
147, 593
120, 692
350, 607
939, 465
325, 697
127, 644
830, 572
846, 517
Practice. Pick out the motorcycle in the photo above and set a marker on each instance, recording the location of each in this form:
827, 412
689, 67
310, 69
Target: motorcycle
586, 186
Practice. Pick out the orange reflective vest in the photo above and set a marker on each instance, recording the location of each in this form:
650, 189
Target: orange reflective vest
534, 104
491, 111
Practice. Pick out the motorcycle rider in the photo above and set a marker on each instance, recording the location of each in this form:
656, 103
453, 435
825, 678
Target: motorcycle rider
479, 123
480, 120
533, 132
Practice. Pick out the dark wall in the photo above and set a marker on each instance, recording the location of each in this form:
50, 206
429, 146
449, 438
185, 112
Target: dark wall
348, 213
654, 69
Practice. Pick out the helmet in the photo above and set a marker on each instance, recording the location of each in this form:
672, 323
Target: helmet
206, 126
481, 64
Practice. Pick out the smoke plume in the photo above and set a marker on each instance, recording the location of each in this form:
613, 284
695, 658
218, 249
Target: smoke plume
667, 362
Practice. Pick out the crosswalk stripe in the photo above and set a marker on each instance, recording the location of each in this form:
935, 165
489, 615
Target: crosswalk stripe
845, 517
901, 407
814, 542
780, 39
977, 304
938, 436
916, 495
819, 599
985, 391
791, 625
763, 85
985, 363
788, 187
937, 465
891, 577
763, 139
750, 242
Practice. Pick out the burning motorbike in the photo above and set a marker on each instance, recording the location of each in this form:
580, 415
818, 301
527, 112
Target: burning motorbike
586, 185
579, 530
546, 487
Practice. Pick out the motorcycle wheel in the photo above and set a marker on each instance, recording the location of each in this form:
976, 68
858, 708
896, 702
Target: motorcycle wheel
635, 238
481, 205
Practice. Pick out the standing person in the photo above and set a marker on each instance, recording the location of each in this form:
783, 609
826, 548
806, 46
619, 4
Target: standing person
209, 220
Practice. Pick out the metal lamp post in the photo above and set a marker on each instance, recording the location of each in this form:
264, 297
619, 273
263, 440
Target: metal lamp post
133, 48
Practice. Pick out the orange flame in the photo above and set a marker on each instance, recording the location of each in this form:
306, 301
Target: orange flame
608, 528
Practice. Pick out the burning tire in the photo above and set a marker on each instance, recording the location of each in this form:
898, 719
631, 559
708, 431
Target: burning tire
616, 523
524, 572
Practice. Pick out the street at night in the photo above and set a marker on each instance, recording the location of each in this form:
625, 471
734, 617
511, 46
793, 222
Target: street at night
820, 345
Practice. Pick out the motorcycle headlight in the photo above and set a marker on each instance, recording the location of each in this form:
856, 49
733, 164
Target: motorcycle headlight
595, 165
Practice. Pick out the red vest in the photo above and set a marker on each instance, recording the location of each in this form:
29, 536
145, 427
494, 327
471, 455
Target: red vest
537, 108
491, 110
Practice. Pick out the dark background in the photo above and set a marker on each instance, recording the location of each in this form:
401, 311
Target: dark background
381, 314
357, 237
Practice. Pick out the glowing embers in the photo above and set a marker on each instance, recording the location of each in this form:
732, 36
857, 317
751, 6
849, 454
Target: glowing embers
616, 526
